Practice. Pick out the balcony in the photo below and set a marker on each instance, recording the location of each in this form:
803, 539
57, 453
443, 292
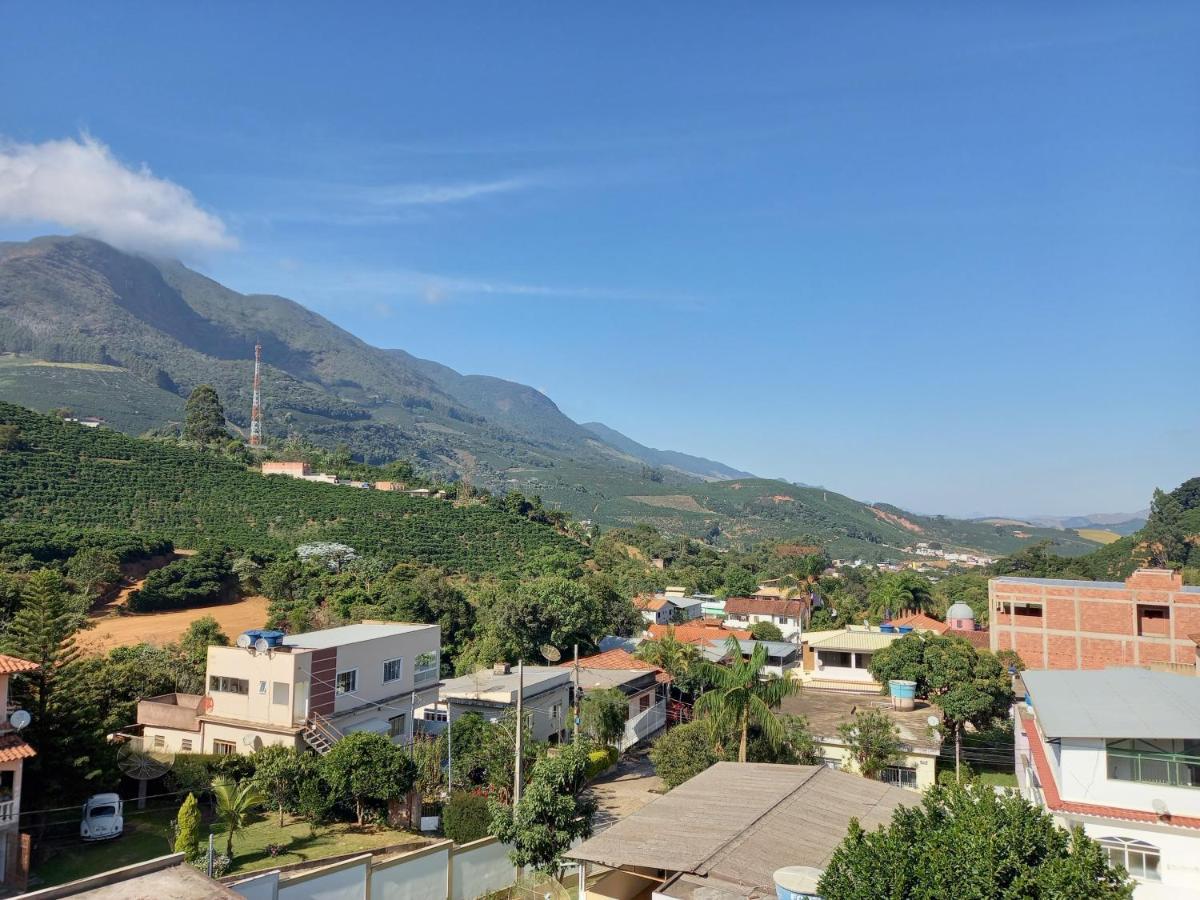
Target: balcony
9, 810
179, 711
644, 724
1153, 766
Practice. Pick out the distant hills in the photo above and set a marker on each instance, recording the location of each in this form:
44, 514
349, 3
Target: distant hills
1119, 523
111, 334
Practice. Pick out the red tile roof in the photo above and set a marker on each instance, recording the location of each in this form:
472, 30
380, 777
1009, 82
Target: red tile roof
1054, 798
981, 640
921, 622
761, 606
12, 664
617, 658
13, 747
699, 632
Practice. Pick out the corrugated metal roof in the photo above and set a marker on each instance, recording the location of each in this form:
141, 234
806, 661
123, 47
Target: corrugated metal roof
1115, 703
865, 641
739, 822
349, 634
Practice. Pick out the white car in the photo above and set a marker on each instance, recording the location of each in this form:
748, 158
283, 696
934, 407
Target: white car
102, 818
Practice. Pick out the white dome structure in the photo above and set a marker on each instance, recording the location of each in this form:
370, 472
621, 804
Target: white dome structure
960, 617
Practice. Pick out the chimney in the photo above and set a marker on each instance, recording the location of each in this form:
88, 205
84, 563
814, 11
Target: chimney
500, 668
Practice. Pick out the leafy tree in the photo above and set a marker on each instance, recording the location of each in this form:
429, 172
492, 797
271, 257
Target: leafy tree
10, 438
192, 649
278, 774
1164, 534
683, 752
203, 417
899, 591
365, 769
739, 582
466, 817
93, 569
798, 747
903, 660
985, 845
553, 812
187, 826
966, 588
604, 713
766, 631
873, 741
969, 686
428, 755
235, 802
742, 696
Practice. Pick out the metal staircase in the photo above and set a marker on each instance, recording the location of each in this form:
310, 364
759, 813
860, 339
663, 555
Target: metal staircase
320, 733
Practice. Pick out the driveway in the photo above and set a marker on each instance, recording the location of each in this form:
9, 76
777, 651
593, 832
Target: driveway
626, 789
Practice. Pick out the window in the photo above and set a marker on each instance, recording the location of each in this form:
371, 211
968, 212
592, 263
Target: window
262, 687
900, 776
1138, 858
433, 714
556, 712
1170, 762
393, 669
838, 658
1022, 610
1153, 620
224, 748
396, 726
186, 745
425, 667
160, 742
643, 702
223, 684
346, 682
782, 620
279, 693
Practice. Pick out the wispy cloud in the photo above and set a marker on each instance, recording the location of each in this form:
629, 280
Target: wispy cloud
435, 194
79, 184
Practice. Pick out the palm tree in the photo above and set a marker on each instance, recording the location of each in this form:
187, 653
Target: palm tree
235, 803
677, 658
740, 696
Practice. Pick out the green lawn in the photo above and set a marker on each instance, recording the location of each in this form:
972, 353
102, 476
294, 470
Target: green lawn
998, 779
146, 836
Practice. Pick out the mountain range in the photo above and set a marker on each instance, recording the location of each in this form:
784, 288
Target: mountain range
124, 337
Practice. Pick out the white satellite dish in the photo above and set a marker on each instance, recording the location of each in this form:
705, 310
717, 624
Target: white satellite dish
551, 653
243, 641
262, 645
19, 719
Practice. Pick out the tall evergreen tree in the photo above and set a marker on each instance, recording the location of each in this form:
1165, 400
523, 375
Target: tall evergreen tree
203, 417
43, 631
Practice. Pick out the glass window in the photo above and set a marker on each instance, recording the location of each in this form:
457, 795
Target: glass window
1137, 858
425, 667
643, 702
393, 669
222, 684
224, 748
346, 682
838, 658
262, 687
1167, 762
396, 726
900, 776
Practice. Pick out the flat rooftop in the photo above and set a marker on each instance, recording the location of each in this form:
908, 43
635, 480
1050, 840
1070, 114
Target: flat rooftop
487, 685
1115, 703
826, 710
1077, 583
350, 634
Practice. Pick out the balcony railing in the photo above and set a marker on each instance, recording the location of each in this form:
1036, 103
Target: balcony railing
9, 810
1151, 767
644, 724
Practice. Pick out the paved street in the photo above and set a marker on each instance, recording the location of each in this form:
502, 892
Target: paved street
626, 789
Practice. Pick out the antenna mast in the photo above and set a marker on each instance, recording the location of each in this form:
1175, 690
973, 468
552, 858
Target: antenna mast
256, 403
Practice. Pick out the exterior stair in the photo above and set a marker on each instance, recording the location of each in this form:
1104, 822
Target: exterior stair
320, 733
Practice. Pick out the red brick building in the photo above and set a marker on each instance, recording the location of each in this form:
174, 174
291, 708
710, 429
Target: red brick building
1058, 624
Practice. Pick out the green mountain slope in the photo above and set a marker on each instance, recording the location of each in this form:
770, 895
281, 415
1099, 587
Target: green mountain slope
69, 476
685, 463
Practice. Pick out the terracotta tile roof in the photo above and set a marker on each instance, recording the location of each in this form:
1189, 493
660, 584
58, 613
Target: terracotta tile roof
12, 664
1055, 801
921, 622
654, 604
764, 606
617, 659
980, 640
13, 747
699, 632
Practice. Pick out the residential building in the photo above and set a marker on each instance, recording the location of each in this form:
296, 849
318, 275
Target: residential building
916, 767
655, 609
14, 846
787, 615
1117, 751
725, 832
840, 660
644, 687
492, 693
916, 621
701, 631
782, 656
300, 689
671, 606
292, 469
1058, 624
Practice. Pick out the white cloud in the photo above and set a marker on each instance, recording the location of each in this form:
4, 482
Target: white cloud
80, 185
437, 194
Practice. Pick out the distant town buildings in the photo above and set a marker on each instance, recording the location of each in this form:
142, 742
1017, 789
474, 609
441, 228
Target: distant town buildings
302, 470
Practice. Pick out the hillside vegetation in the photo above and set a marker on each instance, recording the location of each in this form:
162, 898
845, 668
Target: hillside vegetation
67, 475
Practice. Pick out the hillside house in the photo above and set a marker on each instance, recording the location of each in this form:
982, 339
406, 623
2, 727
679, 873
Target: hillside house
840, 660
788, 615
492, 693
1117, 751
14, 846
303, 689
289, 468
645, 687
672, 606
1061, 624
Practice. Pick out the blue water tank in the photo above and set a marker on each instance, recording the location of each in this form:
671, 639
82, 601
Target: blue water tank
904, 629
274, 638
887, 628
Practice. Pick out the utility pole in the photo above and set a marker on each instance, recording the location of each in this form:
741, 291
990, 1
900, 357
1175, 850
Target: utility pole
576, 694
449, 753
520, 734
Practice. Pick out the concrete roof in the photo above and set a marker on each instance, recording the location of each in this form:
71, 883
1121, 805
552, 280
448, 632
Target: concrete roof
736, 823
487, 685
1115, 703
349, 634
774, 648
596, 679
825, 710
861, 641
164, 878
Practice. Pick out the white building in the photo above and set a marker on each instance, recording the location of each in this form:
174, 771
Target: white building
13, 753
492, 693
1117, 751
787, 615
293, 690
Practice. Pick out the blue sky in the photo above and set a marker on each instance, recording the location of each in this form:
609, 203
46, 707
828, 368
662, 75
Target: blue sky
935, 255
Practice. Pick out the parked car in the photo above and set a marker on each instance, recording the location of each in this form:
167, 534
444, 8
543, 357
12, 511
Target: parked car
102, 819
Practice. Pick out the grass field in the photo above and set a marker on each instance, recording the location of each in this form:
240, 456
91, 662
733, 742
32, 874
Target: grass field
1099, 535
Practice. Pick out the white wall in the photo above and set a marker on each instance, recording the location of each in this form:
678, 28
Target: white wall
480, 868
258, 706
1179, 865
412, 877
368, 657
1083, 778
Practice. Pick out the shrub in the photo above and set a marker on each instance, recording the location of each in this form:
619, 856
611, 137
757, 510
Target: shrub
187, 827
600, 760
466, 817
190, 581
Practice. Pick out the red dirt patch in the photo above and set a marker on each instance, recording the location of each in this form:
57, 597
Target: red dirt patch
899, 521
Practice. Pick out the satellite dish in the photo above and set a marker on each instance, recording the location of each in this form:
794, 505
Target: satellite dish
141, 764
262, 645
248, 740
833, 613
550, 653
1159, 807
19, 719
243, 641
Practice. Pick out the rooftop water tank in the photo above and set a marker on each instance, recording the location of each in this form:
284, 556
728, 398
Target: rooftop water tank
887, 628
247, 638
797, 883
273, 638
904, 629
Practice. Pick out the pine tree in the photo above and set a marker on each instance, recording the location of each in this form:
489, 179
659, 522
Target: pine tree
43, 631
187, 827
204, 419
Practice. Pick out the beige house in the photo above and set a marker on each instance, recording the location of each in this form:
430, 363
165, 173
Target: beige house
14, 846
840, 660
303, 689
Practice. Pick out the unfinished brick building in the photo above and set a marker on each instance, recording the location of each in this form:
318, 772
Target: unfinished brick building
1058, 624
